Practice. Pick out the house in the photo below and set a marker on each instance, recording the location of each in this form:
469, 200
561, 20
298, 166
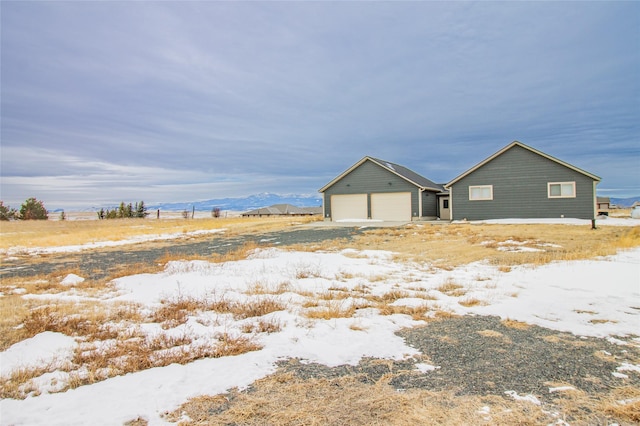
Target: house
521, 182
604, 204
380, 190
283, 210
516, 182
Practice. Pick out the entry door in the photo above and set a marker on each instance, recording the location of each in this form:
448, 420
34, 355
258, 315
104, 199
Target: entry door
445, 213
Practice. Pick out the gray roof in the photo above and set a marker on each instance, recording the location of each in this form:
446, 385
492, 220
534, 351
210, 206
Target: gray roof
403, 172
409, 174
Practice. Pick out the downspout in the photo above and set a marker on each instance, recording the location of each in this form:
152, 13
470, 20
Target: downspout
451, 204
420, 191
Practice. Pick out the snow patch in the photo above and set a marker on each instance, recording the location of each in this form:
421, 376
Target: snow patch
71, 280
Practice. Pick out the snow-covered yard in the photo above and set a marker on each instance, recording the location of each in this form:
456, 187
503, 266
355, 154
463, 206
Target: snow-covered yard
599, 298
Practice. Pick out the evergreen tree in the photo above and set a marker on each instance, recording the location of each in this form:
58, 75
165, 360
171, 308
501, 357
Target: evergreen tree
33, 209
141, 210
6, 212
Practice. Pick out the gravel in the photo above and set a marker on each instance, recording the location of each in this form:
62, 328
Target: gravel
475, 355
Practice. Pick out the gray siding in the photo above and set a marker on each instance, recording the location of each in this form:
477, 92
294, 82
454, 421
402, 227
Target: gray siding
519, 178
429, 204
371, 178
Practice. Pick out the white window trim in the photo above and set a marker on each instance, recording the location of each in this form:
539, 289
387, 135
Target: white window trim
481, 186
573, 184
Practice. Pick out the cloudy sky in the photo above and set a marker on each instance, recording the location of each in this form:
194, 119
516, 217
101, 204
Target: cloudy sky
185, 101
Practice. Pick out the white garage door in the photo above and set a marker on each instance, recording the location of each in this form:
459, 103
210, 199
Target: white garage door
352, 206
391, 206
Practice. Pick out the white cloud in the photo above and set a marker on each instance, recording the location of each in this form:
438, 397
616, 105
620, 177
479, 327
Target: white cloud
299, 89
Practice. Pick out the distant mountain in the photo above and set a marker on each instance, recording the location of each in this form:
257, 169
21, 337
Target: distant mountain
624, 202
243, 204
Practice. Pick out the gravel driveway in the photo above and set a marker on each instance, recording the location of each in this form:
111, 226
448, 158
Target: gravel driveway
97, 263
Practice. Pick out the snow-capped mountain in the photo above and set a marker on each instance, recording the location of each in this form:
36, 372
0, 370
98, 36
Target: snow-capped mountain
251, 202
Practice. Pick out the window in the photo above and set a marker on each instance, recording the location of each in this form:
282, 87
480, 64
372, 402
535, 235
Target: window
484, 192
445, 204
562, 189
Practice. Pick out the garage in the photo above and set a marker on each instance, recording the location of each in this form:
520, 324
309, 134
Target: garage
349, 206
392, 206
380, 190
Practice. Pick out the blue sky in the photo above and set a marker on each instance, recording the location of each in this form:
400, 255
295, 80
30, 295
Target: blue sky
185, 101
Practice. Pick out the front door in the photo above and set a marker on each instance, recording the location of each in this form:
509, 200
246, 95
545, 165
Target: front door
444, 208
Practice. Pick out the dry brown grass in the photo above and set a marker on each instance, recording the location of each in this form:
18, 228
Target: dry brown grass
174, 312
51, 233
330, 309
448, 246
98, 360
415, 312
88, 319
284, 399
271, 325
515, 324
139, 353
623, 403
472, 301
13, 309
451, 288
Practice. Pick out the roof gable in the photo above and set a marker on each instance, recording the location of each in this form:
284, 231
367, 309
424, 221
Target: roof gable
520, 144
401, 171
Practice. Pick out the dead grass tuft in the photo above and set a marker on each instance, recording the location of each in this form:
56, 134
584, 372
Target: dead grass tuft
18, 384
394, 295
331, 309
263, 326
138, 421
624, 404
176, 312
256, 308
472, 301
451, 288
88, 319
416, 312
515, 324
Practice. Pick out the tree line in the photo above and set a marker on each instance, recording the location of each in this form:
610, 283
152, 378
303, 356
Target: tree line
33, 209
139, 210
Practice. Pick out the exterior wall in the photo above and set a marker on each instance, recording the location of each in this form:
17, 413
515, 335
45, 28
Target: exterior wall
370, 178
429, 205
519, 178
